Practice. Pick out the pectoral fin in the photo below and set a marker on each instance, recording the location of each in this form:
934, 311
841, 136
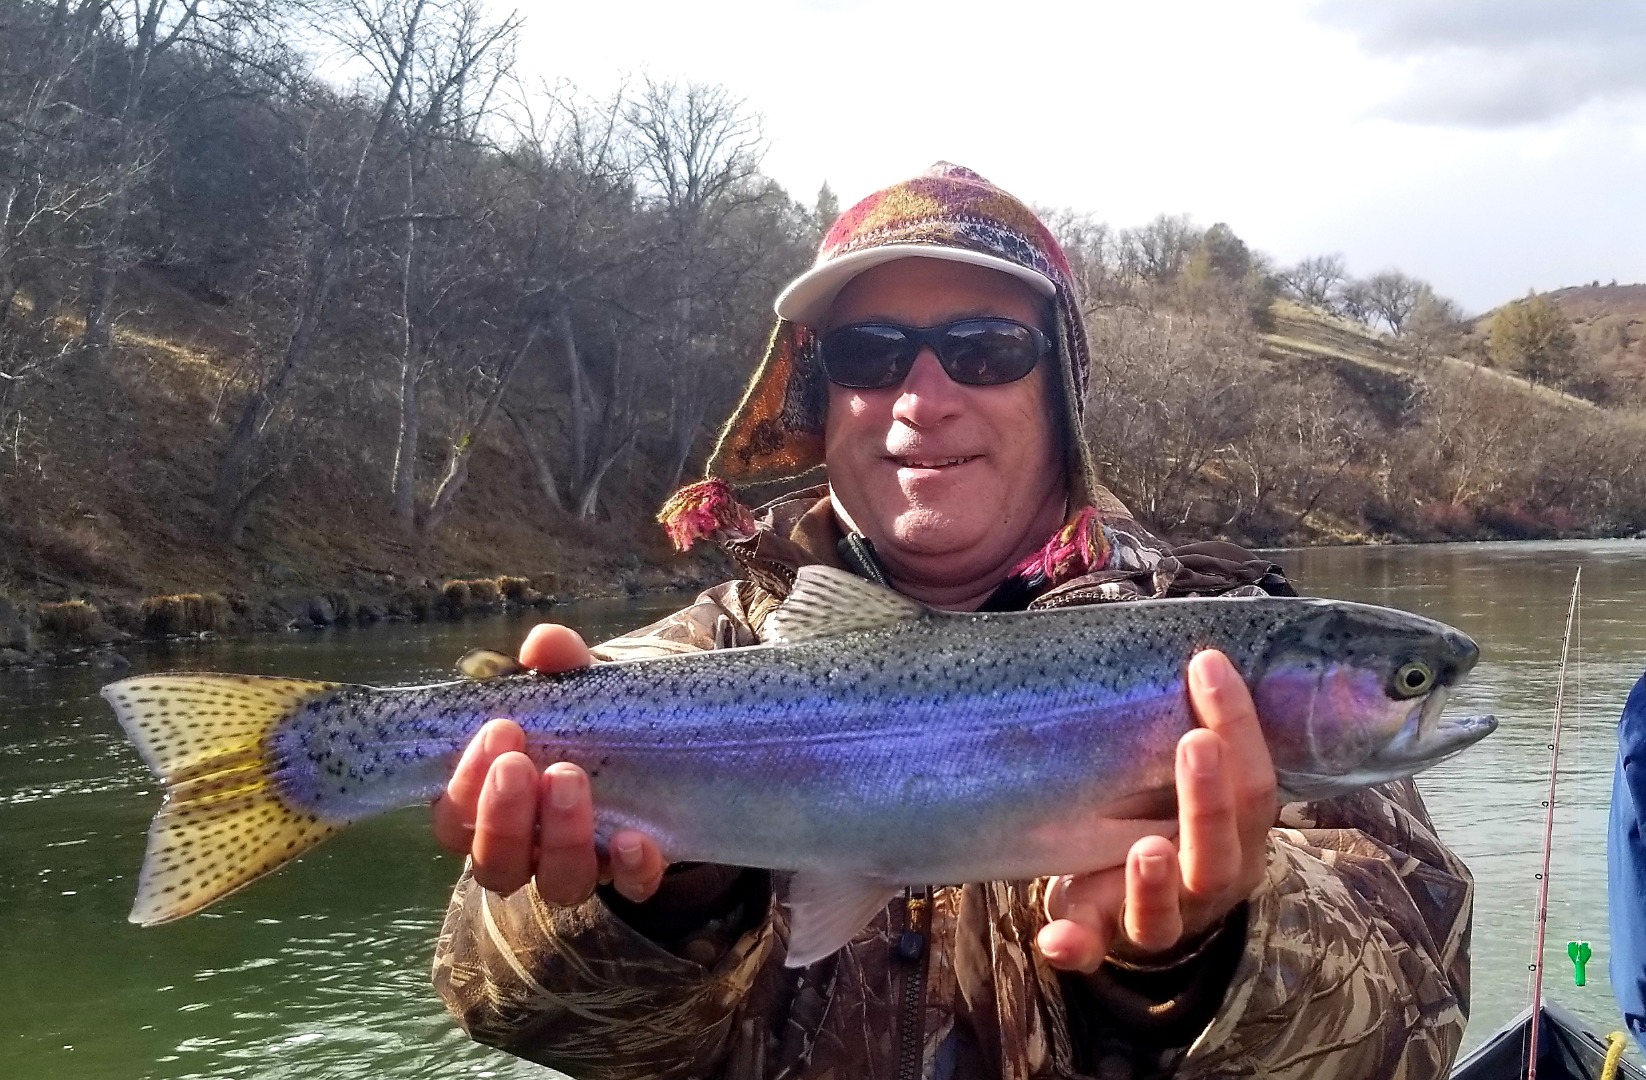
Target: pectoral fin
827, 910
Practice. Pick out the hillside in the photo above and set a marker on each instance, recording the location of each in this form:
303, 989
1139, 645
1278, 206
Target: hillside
1304, 333
1610, 326
106, 474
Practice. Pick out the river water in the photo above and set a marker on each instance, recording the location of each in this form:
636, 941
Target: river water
322, 970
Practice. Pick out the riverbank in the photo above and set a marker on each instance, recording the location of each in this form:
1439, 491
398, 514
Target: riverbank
92, 632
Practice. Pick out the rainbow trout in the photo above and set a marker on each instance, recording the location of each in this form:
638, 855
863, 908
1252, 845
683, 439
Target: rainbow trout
872, 743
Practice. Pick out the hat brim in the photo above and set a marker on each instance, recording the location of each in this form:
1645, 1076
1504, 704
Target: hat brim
808, 297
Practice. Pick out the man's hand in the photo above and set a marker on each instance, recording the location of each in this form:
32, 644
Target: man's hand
1167, 893
520, 825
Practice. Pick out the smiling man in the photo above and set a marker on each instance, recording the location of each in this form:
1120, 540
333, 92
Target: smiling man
933, 361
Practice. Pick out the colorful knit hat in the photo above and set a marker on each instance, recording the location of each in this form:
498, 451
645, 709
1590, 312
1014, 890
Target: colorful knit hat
946, 213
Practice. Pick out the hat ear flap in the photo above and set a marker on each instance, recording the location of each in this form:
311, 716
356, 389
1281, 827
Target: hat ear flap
806, 398
777, 430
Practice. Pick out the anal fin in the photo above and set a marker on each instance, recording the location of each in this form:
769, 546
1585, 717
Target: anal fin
827, 910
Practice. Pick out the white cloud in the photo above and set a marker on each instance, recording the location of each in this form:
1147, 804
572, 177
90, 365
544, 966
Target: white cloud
1503, 64
1278, 119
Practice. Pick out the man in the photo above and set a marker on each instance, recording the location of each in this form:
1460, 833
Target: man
934, 361
1626, 865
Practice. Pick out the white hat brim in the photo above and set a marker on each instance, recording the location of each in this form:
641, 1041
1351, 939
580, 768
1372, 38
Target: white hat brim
808, 297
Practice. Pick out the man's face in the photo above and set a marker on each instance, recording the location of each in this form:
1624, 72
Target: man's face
951, 482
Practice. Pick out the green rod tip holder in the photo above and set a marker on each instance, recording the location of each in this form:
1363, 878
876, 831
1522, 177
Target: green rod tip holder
1580, 954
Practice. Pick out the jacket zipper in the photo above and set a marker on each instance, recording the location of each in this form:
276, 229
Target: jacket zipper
858, 554
912, 949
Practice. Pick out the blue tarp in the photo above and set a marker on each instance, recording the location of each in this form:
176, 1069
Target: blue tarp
1626, 866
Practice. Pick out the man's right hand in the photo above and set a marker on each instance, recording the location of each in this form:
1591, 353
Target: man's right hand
518, 824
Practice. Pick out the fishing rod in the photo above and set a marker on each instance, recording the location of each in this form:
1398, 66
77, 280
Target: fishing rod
1549, 833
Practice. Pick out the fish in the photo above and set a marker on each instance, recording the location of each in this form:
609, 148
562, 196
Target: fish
868, 743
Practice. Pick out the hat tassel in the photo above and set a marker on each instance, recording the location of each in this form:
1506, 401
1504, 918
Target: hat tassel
706, 509
1080, 547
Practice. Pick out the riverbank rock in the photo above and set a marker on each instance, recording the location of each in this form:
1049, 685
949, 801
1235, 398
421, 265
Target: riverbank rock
14, 631
106, 659
321, 611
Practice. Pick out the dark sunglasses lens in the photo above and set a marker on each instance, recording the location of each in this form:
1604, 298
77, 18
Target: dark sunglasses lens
866, 357
988, 352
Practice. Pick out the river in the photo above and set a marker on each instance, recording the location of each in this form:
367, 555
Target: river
322, 970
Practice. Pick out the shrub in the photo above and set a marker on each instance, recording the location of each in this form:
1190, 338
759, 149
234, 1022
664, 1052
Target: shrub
514, 589
1447, 519
71, 620
184, 613
455, 597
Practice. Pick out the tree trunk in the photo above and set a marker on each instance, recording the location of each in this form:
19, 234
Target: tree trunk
405, 454
457, 466
590, 501
541, 469
233, 485
582, 398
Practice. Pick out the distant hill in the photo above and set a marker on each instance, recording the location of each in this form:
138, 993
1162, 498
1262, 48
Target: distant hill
1382, 365
1594, 302
1610, 322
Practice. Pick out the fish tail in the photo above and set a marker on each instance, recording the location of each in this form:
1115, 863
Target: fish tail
223, 824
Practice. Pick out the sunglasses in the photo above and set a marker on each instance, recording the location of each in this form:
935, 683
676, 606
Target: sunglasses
976, 352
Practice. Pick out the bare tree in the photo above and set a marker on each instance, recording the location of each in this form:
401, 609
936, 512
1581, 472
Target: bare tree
455, 67
241, 478
1315, 279
1392, 296
698, 152
1159, 251
44, 184
1092, 248
147, 30
1171, 397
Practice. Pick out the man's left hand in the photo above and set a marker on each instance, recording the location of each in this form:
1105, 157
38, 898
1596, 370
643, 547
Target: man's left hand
1168, 896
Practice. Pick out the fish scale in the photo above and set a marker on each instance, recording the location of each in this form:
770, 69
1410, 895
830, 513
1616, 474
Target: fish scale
873, 743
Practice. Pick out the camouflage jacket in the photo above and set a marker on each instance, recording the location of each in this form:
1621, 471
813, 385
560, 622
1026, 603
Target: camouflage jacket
1350, 960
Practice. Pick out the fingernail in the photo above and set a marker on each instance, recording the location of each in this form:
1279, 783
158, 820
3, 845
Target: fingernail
1205, 756
565, 789
1213, 672
628, 852
1152, 869
508, 781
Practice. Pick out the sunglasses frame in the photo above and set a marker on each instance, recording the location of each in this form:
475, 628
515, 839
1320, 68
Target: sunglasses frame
916, 338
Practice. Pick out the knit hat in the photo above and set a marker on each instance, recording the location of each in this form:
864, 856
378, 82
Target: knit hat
950, 213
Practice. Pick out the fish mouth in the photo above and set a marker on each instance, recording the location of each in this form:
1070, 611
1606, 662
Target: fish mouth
1428, 737
1425, 740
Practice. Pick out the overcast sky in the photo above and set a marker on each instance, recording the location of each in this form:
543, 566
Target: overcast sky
1488, 148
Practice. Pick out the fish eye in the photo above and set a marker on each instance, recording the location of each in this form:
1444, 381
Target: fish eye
1414, 677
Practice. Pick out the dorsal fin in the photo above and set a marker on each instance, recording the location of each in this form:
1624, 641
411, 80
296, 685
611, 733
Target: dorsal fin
826, 602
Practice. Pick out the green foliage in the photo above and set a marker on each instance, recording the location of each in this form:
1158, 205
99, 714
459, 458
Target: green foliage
1532, 336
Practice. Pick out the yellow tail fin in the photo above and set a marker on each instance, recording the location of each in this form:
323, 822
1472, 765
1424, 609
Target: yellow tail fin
222, 825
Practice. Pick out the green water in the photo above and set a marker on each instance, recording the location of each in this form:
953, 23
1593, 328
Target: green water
321, 970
